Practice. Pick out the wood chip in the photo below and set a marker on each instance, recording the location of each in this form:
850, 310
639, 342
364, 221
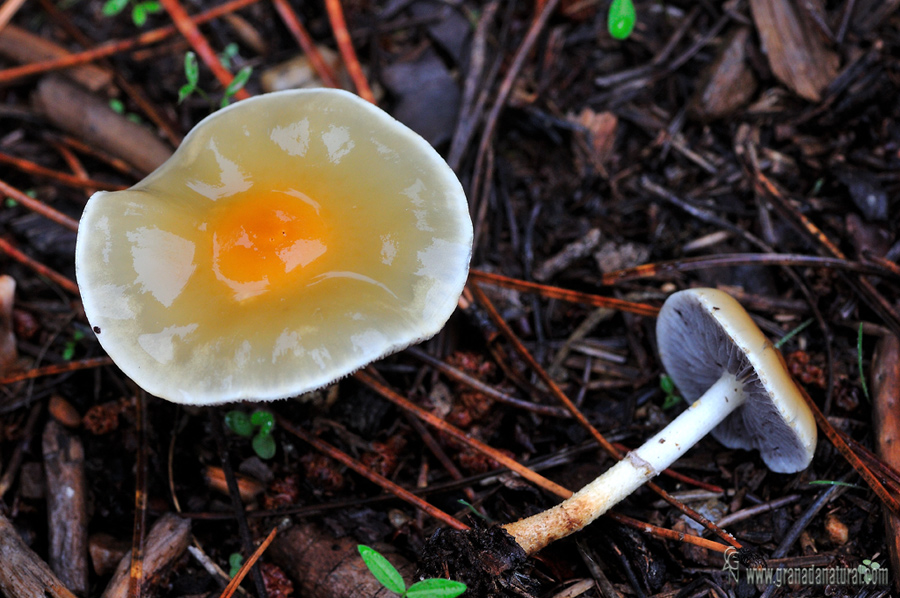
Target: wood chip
728, 83
24, 47
22, 572
796, 51
67, 518
327, 567
88, 117
167, 540
572, 252
8, 352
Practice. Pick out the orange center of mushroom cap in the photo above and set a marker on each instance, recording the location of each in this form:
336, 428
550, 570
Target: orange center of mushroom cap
263, 242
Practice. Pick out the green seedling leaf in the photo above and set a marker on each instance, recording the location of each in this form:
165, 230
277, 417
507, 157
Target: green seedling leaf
474, 511
265, 420
69, 349
835, 483
230, 51
192, 74
239, 423
191, 68
621, 19
236, 84
670, 401
235, 562
436, 588
113, 7
184, 91
139, 15
386, 574
784, 339
666, 384
264, 446
859, 356
9, 202
117, 105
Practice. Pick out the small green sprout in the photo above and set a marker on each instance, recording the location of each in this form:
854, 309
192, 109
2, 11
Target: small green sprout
835, 483
621, 19
140, 11
668, 387
791, 334
235, 562
230, 52
192, 74
388, 576
859, 357
118, 106
236, 84
259, 425
69, 348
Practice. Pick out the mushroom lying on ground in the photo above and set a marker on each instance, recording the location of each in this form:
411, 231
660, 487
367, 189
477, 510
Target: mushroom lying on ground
292, 238
741, 393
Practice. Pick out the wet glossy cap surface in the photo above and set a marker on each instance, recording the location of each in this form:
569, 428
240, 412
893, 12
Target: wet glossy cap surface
291, 239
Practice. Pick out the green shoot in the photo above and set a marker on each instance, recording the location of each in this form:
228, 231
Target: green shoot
791, 334
475, 511
236, 84
118, 106
192, 74
259, 425
230, 52
859, 357
140, 11
388, 576
69, 348
668, 387
621, 19
235, 562
835, 483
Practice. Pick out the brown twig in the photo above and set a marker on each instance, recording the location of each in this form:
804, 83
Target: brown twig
61, 368
36, 205
139, 527
889, 501
348, 53
386, 484
116, 46
742, 259
481, 173
232, 586
493, 393
295, 26
668, 534
8, 9
551, 292
52, 275
438, 423
37, 170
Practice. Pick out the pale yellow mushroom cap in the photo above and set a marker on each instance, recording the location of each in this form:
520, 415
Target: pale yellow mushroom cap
292, 238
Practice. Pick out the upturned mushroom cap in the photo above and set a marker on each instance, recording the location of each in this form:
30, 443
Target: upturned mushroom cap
291, 239
703, 333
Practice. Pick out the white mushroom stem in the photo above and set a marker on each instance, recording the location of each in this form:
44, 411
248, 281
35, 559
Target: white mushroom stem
638, 466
